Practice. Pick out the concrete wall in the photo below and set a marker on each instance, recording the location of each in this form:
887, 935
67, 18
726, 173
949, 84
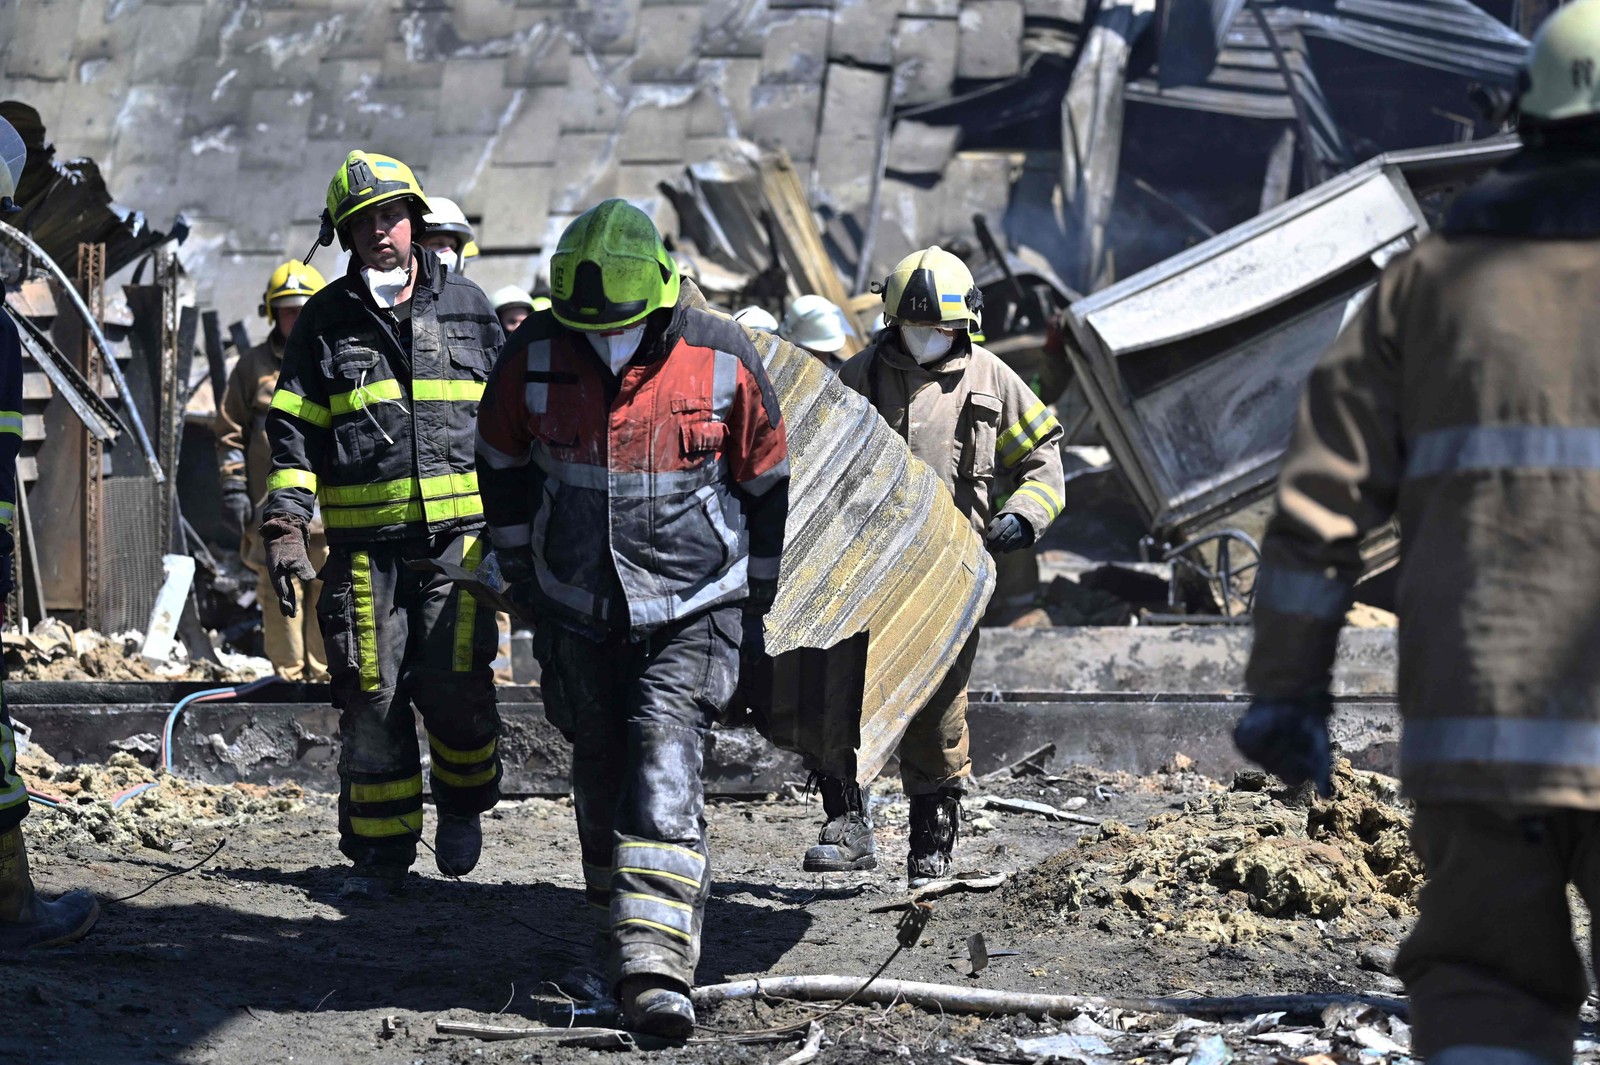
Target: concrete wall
236, 112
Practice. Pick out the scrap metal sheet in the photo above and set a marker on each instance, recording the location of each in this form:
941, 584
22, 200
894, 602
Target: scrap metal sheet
874, 545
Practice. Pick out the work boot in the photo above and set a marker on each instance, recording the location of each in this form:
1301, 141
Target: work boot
457, 843
373, 882
935, 824
655, 1005
26, 920
846, 844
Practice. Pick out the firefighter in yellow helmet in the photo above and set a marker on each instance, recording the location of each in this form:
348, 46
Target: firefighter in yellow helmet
1465, 399
374, 418
294, 645
997, 449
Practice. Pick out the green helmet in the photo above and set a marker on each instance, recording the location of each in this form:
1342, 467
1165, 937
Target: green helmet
1562, 80
611, 269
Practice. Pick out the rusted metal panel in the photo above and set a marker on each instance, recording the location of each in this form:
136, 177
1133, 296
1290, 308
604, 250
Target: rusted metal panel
874, 546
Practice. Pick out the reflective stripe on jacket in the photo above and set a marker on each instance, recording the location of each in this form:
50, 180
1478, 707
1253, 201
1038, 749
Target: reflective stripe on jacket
976, 423
1465, 398
384, 441
644, 499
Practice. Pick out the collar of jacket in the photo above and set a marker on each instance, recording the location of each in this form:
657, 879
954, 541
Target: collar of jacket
891, 352
1553, 193
429, 279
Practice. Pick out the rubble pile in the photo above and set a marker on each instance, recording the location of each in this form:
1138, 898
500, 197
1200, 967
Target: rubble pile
165, 817
1239, 863
53, 650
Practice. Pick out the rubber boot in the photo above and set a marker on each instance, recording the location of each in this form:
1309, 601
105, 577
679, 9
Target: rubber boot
373, 882
935, 823
26, 920
457, 843
655, 1005
846, 844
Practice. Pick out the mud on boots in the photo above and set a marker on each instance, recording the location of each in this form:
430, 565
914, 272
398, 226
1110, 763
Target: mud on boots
26, 920
373, 425
846, 844
935, 825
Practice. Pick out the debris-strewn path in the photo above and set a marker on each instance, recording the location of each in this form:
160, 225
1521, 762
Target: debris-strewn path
253, 959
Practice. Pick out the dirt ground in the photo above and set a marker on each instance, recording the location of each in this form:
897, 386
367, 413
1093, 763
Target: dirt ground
1186, 888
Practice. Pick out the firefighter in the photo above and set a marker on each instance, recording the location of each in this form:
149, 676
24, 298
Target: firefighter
447, 233
294, 646
26, 919
1465, 399
374, 418
635, 473
817, 325
997, 449
513, 305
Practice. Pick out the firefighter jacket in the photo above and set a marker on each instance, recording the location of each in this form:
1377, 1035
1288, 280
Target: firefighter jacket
10, 436
644, 499
374, 416
974, 422
241, 425
1464, 398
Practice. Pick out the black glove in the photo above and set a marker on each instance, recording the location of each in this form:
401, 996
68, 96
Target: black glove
761, 597
516, 565
237, 507
1007, 533
1289, 738
288, 558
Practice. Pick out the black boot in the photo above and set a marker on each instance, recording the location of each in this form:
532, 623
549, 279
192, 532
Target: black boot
935, 824
658, 1006
846, 844
457, 843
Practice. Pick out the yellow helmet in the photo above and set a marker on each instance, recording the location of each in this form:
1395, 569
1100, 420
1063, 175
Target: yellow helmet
931, 287
366, 179
1562, 79
290, 286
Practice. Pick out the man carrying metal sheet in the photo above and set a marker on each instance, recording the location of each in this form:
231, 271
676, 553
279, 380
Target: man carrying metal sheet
374, 417
635, 474
293, 645
974, 422
1465, 399
26, 920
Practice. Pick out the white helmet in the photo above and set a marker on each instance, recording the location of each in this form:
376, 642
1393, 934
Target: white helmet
1563, 73
510, 296
13, 156
815, 324
756, 318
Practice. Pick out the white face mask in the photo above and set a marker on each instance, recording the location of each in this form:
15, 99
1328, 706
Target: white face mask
617, 347
386, 285
926, 343
451, 261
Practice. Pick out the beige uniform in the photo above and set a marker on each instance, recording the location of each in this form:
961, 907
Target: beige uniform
996, 447
1466, 400
293, 645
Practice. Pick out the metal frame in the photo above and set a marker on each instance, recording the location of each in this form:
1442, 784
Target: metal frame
92, 279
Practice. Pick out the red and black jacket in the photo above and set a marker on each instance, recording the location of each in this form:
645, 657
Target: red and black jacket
644, 498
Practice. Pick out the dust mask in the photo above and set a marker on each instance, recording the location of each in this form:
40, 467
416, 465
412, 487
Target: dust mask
617, 346
926, 343
450, 260
386, 285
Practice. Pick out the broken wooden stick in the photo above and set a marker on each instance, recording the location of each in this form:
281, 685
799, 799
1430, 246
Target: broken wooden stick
1034, 758
973, 881
591, 1038
1028, 806
949, 998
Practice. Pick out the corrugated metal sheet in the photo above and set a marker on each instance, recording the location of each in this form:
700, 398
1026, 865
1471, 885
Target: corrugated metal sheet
874, 545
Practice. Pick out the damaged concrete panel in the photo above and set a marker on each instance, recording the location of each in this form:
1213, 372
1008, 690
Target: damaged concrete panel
925, 59
721, 108
863, 32
796, 48
534, 131
167, 41
932, 8
785, 116
991, 39
471, 98
544, 60
667, 40
455, 169
400, 71
585, 171
731, 28
974, 183
918, 148
41, 47
145, 130
609, 27
596, 95
274, 136
493, 271
515, 201
853, 102
654, 129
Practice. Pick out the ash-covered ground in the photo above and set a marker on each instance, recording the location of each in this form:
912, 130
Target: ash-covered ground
1188, 887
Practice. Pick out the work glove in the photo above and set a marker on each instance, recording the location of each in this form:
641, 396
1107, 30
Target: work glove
1289, 738
288, 558
516, 571
1007, 533
237, 507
